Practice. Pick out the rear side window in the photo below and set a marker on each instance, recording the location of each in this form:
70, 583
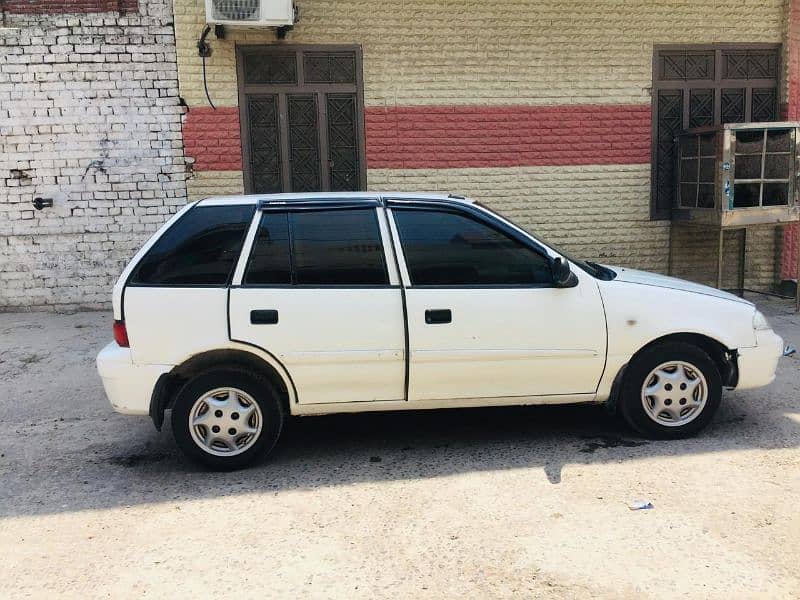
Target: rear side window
445, 248
200, 249
318, 247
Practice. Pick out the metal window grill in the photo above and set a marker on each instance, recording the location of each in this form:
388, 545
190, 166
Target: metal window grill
703, 86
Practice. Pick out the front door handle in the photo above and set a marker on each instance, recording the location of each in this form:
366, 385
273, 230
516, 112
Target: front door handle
264, 317
435, 316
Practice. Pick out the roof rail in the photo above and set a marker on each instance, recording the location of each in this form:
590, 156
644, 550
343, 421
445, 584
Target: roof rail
316, 203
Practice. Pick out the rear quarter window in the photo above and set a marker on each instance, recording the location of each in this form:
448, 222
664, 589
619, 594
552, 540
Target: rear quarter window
199, 249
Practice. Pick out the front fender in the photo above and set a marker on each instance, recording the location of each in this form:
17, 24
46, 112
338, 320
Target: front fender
638, 315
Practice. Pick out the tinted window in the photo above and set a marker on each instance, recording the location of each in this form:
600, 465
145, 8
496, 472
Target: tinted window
325, 247
200, 249
443, 248
269, 261
341, 247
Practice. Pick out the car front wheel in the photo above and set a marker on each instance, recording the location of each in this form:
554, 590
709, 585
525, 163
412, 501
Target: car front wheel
670, 390
227, 418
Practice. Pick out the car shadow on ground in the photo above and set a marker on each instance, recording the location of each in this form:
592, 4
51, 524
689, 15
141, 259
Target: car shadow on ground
137, 465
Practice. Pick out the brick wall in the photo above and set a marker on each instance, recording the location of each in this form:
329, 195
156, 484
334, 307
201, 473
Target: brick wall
89, 117
213, 139
39, 7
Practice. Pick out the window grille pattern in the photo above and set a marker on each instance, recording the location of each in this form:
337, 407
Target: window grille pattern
303, 143
697, 86
270, 67
329, 67
302, 118
732, 105
265, 163
342, 143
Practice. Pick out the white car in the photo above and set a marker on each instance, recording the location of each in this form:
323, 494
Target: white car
242, 310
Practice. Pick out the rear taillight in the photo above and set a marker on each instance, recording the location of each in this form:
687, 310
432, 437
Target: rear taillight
121, 334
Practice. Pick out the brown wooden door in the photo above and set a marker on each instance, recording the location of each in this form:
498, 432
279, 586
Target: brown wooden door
301, 111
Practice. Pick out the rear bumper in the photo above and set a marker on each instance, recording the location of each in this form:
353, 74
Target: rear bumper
757, 365
128, 386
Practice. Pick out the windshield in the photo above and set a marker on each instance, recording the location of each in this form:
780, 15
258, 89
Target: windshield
594, 269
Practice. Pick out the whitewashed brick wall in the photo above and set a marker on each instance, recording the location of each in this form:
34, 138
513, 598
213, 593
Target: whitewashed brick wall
90, 117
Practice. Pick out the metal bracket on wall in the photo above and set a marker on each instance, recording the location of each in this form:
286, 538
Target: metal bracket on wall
40, 203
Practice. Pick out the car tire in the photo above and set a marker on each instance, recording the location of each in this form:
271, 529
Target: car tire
670, 390
227, 418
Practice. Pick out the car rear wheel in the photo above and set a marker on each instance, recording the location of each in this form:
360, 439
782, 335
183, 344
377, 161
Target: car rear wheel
670, 390
227, 418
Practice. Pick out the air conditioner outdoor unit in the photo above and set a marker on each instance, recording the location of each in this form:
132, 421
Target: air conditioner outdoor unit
250, 13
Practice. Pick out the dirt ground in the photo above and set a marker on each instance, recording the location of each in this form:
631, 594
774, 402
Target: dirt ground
528, 502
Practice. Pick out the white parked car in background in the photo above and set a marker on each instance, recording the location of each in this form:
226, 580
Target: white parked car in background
243, 310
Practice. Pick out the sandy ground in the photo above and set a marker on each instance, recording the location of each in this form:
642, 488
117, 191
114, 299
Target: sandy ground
481, 503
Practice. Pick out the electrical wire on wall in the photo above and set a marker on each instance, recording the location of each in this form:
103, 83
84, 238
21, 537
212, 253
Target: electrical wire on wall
204, 50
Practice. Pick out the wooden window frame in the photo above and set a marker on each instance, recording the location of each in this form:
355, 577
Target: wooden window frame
299, 88
717, 83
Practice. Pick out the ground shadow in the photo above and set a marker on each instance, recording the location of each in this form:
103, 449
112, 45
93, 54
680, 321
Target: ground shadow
137, 465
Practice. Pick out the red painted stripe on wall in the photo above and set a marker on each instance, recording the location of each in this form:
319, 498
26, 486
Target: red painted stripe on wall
459, 136
507, 136
213, 139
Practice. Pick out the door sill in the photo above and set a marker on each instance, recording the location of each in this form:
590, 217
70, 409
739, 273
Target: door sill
385, 405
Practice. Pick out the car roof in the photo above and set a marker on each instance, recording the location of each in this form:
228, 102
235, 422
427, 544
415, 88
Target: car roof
330, 196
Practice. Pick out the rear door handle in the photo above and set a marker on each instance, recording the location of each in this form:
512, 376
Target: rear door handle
435, 316
264, 317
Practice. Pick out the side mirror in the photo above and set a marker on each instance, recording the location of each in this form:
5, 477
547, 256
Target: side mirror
562, 274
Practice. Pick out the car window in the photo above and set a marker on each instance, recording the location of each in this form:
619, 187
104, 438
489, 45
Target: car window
445, 248
269, 261
201, 248
318, 247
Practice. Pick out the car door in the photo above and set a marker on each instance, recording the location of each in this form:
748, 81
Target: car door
484, 318
318, 293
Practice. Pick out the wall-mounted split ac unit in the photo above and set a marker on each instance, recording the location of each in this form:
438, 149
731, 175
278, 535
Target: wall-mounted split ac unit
250, 13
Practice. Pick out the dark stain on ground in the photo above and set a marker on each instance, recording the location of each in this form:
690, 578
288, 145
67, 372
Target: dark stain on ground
732, 419
137, 460
608, 441
31, 359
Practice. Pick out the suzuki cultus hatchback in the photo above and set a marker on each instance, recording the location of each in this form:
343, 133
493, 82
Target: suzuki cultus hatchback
243, 310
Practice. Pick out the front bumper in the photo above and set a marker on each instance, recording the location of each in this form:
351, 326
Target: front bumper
757, 365
128, 386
